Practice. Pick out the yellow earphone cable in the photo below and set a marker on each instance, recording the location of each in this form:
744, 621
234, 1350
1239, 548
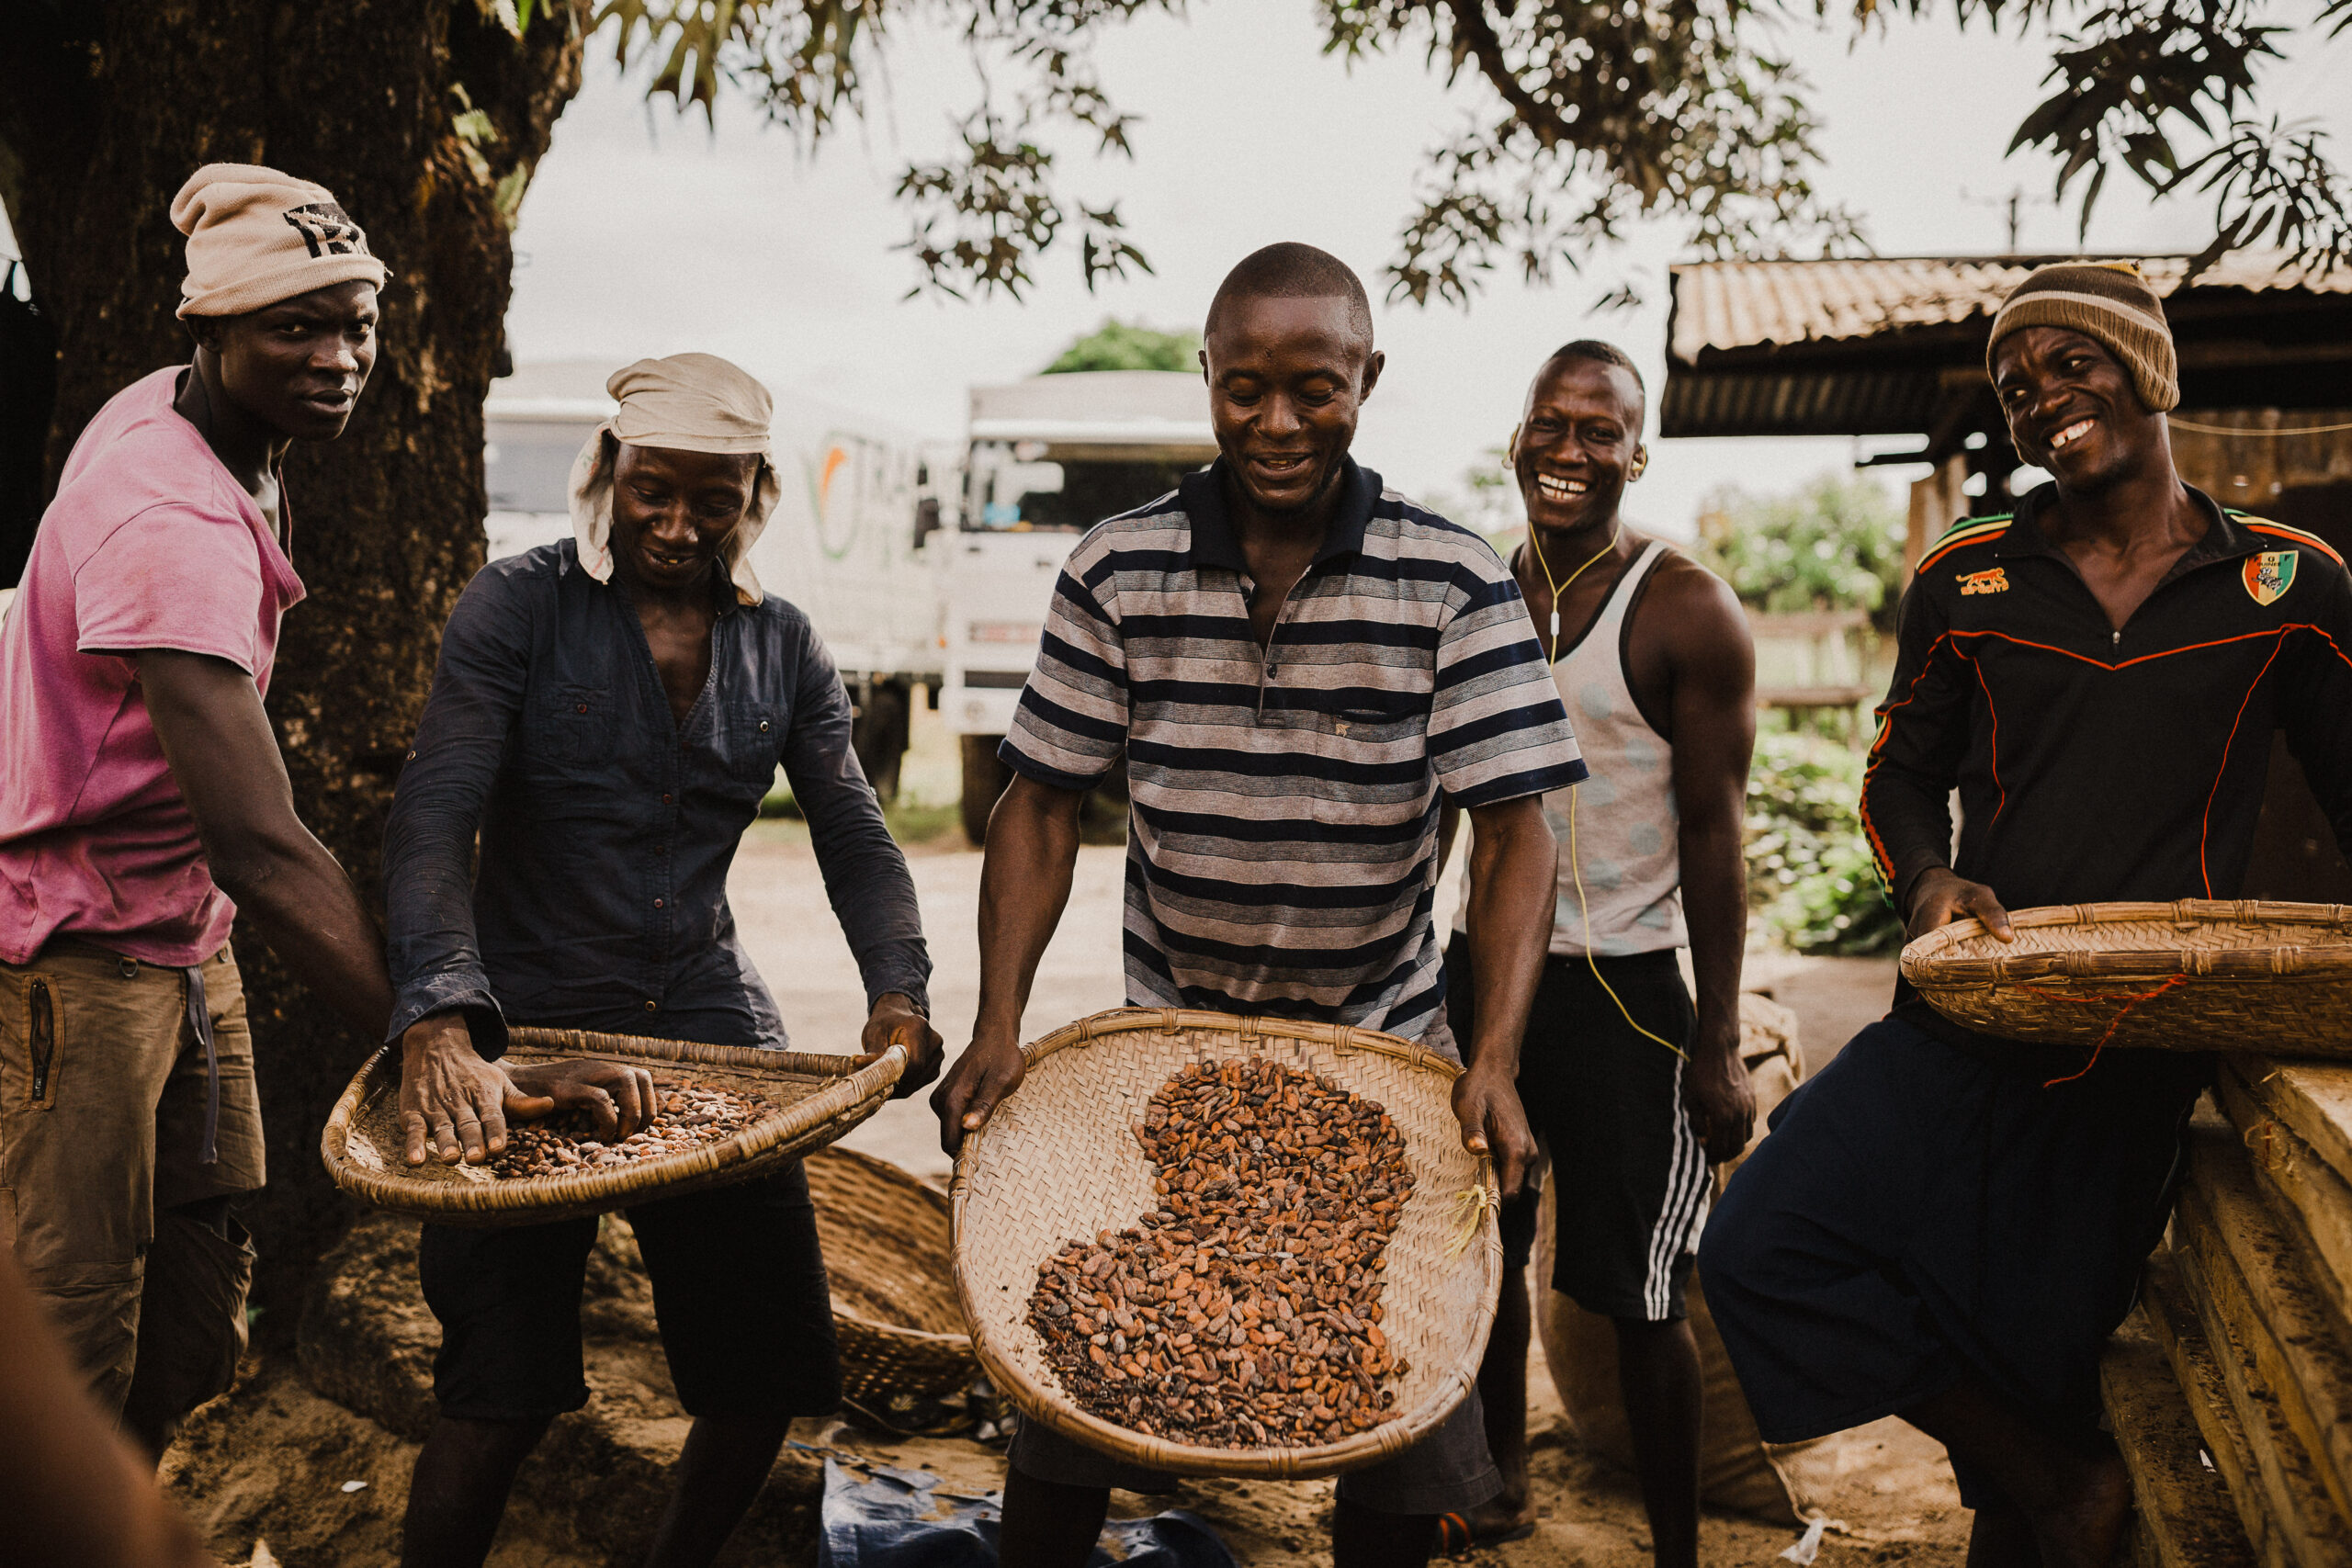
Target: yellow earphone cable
1536, 546
1577, 865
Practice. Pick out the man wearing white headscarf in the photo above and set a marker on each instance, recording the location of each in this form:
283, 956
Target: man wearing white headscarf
607, 714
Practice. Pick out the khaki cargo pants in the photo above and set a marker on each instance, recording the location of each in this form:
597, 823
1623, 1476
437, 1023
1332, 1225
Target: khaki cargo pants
116, 1219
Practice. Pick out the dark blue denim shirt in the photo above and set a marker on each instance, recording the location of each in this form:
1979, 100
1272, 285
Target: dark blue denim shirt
606, 827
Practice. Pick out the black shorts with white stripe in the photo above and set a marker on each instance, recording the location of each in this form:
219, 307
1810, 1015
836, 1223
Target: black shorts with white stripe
1630, 1179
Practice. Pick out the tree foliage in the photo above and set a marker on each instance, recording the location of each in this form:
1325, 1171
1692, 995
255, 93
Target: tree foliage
981, 214
1579, 117
1121, 346
1810, 876
1834, 544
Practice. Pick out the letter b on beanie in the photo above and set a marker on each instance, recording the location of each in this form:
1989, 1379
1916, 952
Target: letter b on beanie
256, 236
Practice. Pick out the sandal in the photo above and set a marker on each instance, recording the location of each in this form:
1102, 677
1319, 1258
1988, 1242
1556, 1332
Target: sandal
1456, 1538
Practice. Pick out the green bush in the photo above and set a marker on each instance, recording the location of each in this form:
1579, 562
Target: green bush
1123, 345
1810, 875
1835, 543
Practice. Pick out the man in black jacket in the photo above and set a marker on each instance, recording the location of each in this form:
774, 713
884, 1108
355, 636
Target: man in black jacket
1945, 1226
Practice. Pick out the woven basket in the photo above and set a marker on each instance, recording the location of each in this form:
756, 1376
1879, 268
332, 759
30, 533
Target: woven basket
1060, 1160
817, 1098
891, 1262
2198, 974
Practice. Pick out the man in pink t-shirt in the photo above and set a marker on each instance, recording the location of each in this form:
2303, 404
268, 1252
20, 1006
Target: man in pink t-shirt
143, 801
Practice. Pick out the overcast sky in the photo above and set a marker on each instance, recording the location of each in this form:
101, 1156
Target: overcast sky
646, 234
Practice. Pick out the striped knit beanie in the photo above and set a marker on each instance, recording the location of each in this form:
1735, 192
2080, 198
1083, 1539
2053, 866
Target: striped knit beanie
2106, 301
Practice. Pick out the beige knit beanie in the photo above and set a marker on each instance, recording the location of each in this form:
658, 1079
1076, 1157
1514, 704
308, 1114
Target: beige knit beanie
2106, 301
256, 236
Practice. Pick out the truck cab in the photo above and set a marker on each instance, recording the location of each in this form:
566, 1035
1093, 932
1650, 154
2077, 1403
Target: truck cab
1049, 458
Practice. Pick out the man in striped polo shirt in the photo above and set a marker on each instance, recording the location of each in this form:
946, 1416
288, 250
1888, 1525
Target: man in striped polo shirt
1299, 667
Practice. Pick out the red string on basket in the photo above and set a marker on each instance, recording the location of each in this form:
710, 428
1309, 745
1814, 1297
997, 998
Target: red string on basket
2112, 1023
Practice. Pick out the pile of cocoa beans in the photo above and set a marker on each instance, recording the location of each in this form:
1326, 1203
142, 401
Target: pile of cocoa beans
1244, 1312
685, 1117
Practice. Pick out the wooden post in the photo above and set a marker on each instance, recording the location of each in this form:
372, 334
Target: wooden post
1937, 502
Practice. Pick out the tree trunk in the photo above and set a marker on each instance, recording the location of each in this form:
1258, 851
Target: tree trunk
104, 108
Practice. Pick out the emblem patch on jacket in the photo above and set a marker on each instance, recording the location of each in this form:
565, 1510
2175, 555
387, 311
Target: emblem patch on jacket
2269, 574
1997, 581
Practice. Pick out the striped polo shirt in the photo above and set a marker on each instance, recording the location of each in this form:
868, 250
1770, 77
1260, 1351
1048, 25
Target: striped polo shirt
1282, 853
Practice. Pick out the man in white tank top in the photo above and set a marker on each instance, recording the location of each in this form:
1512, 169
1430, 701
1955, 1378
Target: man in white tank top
1633, 1089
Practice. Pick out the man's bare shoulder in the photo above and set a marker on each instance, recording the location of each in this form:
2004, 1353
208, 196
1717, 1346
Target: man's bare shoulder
1685, 603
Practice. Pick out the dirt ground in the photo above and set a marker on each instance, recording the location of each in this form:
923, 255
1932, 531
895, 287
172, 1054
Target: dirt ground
269, 1471
269, 1474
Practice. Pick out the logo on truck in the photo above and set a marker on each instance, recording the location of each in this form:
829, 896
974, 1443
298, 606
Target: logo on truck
822, 472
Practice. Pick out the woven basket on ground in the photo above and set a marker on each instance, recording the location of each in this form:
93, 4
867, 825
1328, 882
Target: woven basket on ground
1060, 1160
816, 1098
891, 1263
2198, 974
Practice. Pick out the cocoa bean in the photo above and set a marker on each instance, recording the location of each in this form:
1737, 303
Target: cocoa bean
686, 1118
1277, 1191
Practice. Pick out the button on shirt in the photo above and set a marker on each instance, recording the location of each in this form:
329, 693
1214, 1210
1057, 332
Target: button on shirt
1284, 801
2097, 764
607, 827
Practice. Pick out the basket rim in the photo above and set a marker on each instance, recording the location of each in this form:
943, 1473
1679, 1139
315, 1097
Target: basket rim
855, 1088
1928, 963
888, 1170
1055, 1410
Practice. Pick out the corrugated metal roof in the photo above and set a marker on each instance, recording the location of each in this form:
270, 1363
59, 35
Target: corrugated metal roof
1732, 305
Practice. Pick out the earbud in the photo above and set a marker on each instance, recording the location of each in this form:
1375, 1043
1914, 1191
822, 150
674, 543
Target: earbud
1510, 449
1640, 462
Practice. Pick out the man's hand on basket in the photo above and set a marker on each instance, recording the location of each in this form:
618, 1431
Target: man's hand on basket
449, 1095
1942, 896
975, 1085
894, 1021
457, 1105
1494, 1125
618, 1098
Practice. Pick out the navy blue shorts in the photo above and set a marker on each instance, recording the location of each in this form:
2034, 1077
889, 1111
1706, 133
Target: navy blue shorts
739, 1289
1924, 1213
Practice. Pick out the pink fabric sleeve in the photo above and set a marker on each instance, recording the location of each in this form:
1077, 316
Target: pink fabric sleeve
172, 576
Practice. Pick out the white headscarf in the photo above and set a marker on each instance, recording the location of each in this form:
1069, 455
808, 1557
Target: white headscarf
688, 402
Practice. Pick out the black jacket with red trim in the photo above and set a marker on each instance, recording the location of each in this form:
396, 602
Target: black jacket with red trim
2099, 764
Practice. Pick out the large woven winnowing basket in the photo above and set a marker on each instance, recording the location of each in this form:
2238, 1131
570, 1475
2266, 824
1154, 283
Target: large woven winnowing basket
817, 1098
891, 1262
2198, 974
1060, 1160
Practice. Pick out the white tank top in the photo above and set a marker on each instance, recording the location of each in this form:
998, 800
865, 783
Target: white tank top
1625, 824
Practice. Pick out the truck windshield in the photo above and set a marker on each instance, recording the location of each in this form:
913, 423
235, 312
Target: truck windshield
1028, 487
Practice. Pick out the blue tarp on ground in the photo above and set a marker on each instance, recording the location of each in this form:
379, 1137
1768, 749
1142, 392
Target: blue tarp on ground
881, 1517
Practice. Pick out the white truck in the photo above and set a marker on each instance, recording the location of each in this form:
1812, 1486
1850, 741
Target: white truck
1049, 458
846, 542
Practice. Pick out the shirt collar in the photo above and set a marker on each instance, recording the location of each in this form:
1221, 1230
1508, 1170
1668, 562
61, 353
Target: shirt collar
2225, 538
1202, 494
